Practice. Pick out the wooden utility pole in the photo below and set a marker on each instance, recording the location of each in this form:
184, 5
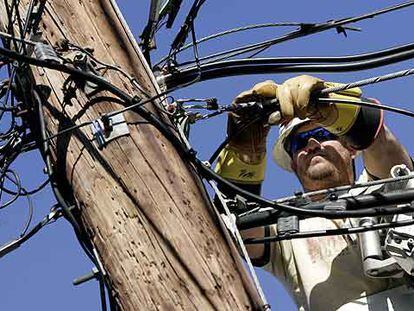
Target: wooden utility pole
143, 207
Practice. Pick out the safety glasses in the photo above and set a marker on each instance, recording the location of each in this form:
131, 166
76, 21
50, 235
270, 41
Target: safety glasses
299, 141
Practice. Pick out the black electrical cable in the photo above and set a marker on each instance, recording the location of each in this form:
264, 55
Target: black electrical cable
307, 59
16, 182
226, 68
102, 293
188, 24
107, 85
28, 192
14, 178
210, 174
313, 210
329, 232
183, 150
79, 233
334, 190
30, 216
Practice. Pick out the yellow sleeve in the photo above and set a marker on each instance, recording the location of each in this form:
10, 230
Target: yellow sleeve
346, 114
232, 167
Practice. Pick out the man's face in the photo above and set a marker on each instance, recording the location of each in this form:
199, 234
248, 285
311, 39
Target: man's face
322, 163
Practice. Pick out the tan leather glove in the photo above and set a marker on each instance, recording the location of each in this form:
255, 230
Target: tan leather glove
295, 101
263, 90
294, 97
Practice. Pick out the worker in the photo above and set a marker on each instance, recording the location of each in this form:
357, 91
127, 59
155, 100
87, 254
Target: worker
317, 142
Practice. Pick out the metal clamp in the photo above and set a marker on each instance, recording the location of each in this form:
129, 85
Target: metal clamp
399, 244
109, 128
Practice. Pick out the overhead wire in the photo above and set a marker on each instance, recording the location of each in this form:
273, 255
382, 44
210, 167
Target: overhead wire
29, 192
307, 59
373, 80
188, 24
356, 185
16, 181
306, 30
227, 32
244, 67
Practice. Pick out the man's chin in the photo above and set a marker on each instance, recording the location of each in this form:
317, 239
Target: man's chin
320, 171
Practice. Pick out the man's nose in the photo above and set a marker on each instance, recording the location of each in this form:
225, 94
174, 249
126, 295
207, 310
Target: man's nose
313, 145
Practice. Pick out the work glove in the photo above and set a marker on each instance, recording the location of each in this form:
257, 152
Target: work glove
293, 96
295, 99
248, 135
243, 160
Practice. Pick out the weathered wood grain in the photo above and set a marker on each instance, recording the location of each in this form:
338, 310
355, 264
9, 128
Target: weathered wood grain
156, 233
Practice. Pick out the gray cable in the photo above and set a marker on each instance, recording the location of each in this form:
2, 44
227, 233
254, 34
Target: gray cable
373, 80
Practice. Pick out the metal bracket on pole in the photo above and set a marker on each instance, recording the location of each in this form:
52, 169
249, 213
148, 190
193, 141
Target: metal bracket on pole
109, 128
94, 274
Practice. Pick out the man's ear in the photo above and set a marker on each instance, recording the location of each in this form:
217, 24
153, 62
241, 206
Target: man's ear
351, 150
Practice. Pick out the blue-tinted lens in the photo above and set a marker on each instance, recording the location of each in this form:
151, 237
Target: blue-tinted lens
299, 141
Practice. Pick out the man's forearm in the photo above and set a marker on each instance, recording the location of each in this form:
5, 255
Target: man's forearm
385, 152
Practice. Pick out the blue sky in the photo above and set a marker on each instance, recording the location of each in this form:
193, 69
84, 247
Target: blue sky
38, 275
